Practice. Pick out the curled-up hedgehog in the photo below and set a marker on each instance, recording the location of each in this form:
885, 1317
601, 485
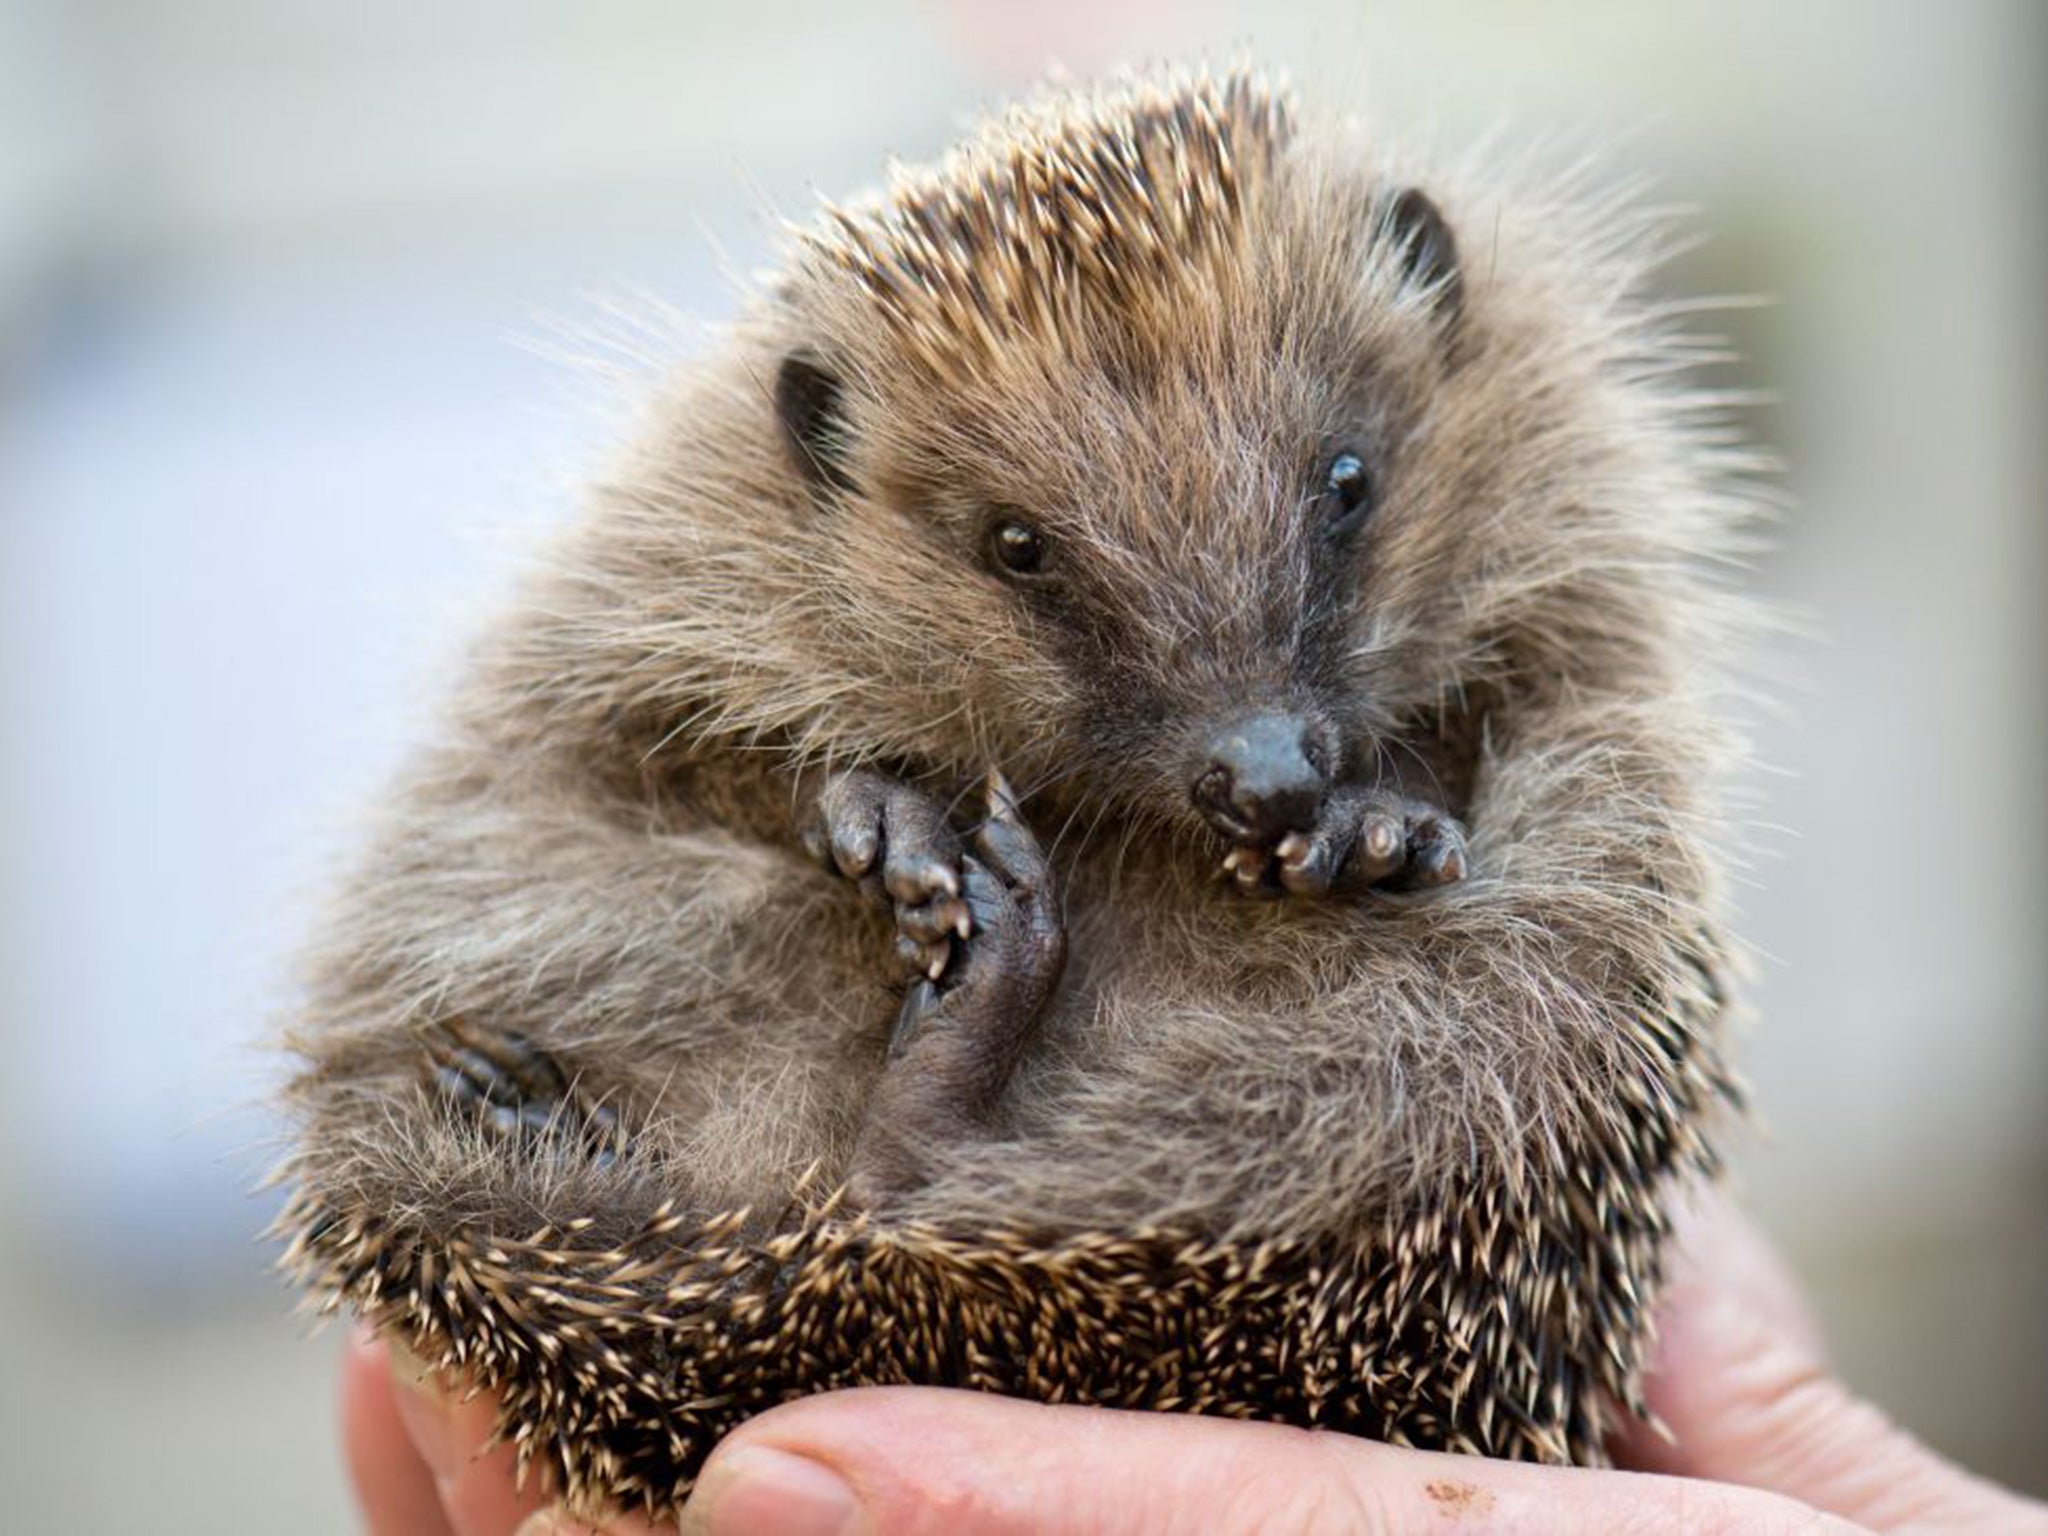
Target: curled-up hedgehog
1114, 803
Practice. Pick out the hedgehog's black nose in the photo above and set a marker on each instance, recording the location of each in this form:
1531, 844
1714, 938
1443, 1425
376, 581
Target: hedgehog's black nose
1263, 776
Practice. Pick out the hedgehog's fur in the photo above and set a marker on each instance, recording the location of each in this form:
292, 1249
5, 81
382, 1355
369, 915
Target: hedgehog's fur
1395, 1165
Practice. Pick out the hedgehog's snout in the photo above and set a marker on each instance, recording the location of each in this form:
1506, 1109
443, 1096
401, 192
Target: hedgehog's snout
1262, 776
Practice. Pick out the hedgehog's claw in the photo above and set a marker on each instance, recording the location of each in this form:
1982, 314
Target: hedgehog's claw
516, 1087
1251, 872
1307, 864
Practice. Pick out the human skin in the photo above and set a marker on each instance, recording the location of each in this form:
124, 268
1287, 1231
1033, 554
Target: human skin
1763, 1439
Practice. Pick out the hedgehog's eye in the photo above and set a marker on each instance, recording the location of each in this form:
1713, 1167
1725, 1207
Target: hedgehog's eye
1017, 547
1347, 493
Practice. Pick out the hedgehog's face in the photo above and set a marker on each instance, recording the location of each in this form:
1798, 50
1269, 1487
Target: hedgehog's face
1184, 562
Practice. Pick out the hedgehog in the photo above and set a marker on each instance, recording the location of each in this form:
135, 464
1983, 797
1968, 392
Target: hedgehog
1117, 800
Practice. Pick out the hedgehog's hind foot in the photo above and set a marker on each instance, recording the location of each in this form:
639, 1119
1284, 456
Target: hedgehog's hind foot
956, 1039
517, 1088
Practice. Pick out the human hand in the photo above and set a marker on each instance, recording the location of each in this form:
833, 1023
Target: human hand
1764, 1440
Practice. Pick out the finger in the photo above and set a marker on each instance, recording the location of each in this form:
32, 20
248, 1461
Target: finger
1307, 863
393, 1486
927, 961
1719, 1245
480, 1490
555, 1522
918, 851
933, 921
1379, 849
1005, 843
1740, 1381
921, 1461
1247, 867
854, 846
990, 905
1438, 854
850, 811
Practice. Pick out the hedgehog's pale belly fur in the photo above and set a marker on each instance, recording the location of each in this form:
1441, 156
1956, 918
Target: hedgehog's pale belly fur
1397, 1165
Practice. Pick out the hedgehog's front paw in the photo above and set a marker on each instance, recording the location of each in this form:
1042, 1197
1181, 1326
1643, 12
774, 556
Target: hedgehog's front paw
1363, 839
516, 1087
894, 842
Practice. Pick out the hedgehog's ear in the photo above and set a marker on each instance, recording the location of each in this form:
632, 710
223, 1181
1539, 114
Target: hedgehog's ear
811, 403
1425, 250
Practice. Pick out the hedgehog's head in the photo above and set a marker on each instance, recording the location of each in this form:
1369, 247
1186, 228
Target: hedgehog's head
1141, 447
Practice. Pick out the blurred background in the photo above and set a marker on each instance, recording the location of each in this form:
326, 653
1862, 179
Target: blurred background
282, 287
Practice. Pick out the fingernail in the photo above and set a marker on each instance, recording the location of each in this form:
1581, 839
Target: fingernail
1002, 800
757, 1490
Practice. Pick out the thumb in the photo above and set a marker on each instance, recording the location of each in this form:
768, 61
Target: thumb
914, 1461
1741, 1383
